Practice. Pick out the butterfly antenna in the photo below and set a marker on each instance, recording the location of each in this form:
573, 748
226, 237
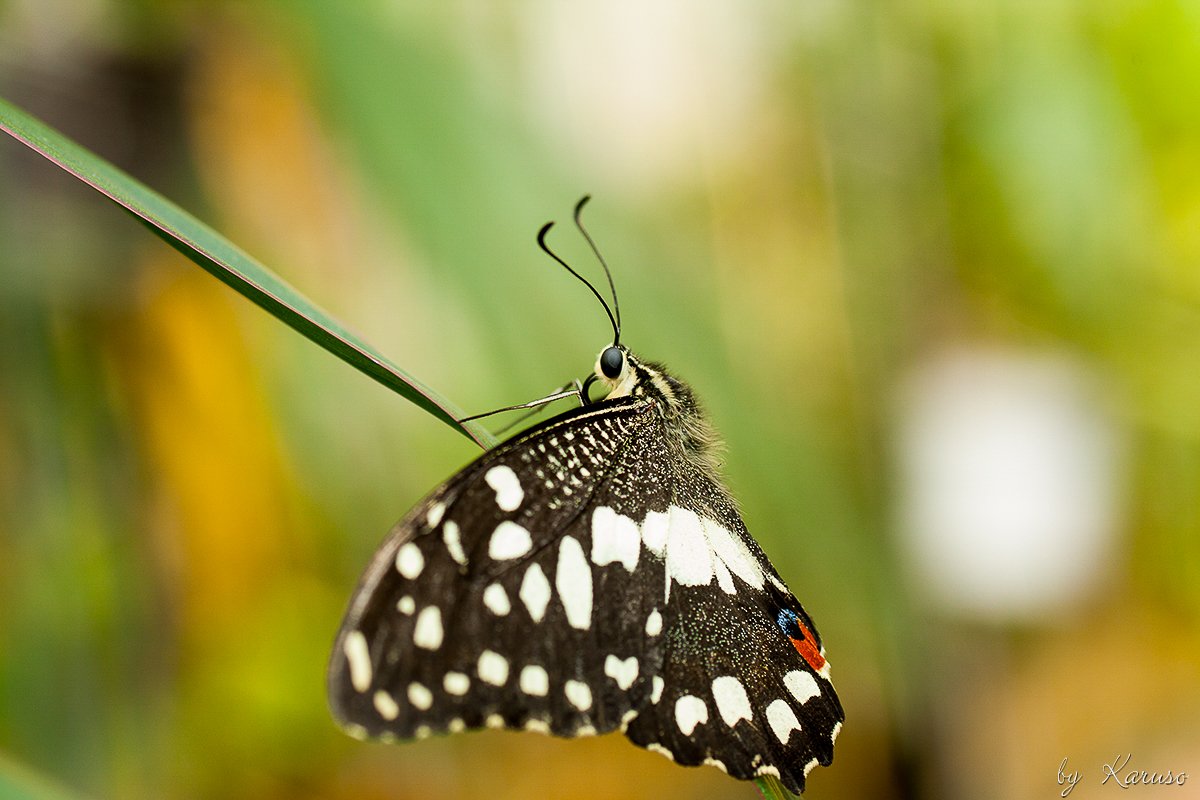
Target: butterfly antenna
541, 239
579, 224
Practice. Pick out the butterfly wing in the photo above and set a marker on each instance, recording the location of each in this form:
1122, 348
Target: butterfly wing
578, 578
744, 684
735, 690
480, 607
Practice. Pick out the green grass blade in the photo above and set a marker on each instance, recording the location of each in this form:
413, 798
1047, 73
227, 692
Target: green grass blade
772, 789
18, 782
227, 262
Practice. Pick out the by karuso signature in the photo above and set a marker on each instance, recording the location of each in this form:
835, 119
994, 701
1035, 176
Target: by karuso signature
1125, 778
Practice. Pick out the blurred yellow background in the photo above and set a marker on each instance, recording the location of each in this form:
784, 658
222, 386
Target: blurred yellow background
934, 267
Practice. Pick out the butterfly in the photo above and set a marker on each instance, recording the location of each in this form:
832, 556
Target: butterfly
591, 574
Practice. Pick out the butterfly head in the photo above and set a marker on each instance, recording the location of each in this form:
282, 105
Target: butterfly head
614, 372
623, 374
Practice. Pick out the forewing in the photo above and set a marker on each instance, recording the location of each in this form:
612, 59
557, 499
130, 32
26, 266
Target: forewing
488, 604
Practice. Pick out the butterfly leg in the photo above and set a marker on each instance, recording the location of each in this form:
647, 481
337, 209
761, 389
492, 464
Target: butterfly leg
574, 388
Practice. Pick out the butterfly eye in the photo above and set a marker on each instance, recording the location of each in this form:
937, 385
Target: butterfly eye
611, 362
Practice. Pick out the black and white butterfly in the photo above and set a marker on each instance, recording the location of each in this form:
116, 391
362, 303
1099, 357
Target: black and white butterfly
591, 574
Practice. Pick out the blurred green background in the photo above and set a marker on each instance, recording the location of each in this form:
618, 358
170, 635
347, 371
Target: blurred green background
870, 234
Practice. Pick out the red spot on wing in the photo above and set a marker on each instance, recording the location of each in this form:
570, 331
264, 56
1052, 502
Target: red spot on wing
807, 647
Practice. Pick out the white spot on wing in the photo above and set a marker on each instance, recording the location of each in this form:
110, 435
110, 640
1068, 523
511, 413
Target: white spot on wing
494, 721
508, 487
689, 558
456, 683
730, 548
385, 704
409, 561
419, 696
574, 583
655, 747
535, 592
732, 702
623, 672
690, 711
496, 599
834, 731
509, 540
724, 579
435, 514
697, 549
456, 725
406, 605
493, 668
614, 538
654, 531
427, 633
782, 720
654, 623
359, 659
534, 681
579, 694
802, 685
450, 536
656, 689
809, 767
